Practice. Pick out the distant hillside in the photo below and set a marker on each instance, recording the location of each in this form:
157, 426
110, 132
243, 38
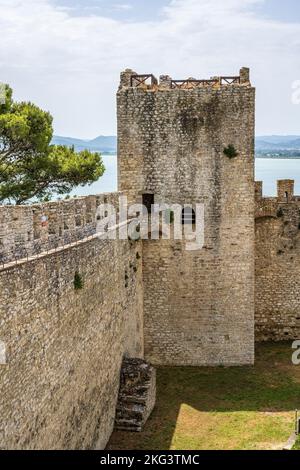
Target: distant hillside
103, 144
278, 146
277, 139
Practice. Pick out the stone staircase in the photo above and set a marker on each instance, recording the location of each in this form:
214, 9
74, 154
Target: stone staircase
137, 395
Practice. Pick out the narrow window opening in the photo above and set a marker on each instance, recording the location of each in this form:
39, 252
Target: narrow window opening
188, 216
148, 202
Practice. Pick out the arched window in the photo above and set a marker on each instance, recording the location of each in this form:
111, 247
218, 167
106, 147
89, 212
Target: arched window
188, 216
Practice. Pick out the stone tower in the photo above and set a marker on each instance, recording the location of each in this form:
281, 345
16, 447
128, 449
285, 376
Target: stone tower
198, 305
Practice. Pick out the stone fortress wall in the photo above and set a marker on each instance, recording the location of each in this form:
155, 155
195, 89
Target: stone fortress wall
28, 230
64, 345
277, 264
198, 306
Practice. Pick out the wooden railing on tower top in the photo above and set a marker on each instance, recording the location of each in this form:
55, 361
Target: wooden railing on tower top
149, 80
191, 83
138, 80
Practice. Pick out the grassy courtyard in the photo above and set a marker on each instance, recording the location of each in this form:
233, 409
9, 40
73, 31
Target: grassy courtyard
297, 446
222, 408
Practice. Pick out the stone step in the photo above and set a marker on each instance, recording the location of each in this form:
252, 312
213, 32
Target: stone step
129, 416
128, 428
136, 409
136, 395
132, 399
127, 422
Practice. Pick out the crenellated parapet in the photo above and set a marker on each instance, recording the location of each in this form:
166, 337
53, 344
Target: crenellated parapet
131, 79
285, 191
269, 206
30, 230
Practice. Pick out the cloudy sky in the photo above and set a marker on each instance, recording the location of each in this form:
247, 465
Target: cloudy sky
66, 55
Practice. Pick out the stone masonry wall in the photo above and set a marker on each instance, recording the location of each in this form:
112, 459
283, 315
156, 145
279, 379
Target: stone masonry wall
65, 346
23, 232
198, 306
277, 265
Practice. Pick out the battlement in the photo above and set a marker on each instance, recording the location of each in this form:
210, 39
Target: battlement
285, 191
31, 230
131, 79
267, 206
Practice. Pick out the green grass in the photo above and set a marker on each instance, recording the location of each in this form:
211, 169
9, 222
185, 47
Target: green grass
222, 408
297, 445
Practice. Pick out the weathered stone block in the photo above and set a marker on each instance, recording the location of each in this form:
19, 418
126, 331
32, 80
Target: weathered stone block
137, 395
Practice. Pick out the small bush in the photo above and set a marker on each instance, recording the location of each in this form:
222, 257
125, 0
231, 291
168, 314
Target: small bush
78, 281
230, 151
169, 217
280, 212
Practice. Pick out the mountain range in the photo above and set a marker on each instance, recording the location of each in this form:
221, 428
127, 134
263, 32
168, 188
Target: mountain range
104, 144
288, 145
278, 142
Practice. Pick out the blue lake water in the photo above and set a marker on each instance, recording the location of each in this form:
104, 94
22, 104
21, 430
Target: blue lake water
106, 184
268, 170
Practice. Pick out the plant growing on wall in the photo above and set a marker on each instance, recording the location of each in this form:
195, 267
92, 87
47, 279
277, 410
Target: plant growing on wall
78, 281
30, 167
169, 216
280, 212
230, 151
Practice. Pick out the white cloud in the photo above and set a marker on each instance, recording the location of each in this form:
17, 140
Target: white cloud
70, 65
122, 6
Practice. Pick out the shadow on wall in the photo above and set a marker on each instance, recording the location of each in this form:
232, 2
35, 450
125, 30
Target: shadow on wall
222, 408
